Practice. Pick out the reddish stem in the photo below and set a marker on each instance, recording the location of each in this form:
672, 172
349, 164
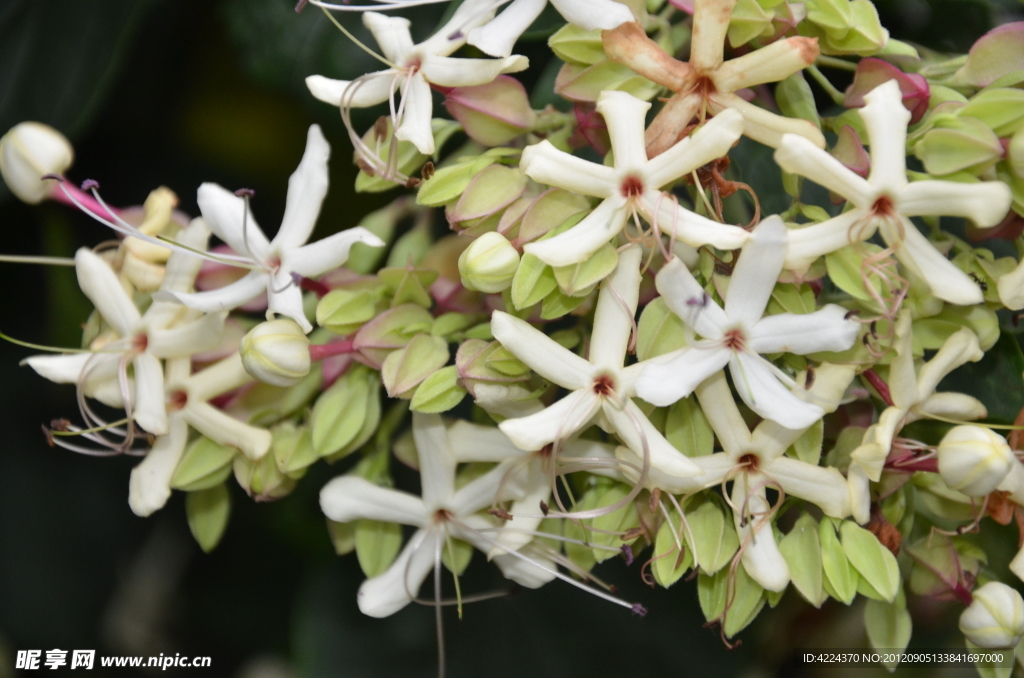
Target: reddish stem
910, 465
318, 352
880, 386
85, 199
315, 286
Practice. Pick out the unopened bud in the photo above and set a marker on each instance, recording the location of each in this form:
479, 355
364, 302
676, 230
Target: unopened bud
489, 263
974, 460
276, 352
30, 151
995, 618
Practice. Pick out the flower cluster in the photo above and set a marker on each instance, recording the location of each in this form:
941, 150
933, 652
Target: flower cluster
614, 353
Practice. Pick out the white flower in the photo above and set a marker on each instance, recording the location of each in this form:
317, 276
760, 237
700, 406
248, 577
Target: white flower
275, 262
276, 352
974, 460
601, 387
498, 36
187, 403
632, 185
737, 335
885, 200
707, 85
414, 68
165, 331
995, 618
441, 513
28, 152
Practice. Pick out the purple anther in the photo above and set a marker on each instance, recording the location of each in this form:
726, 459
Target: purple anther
457, 35
245, 193
90, 185
55, 177
702, 301
639, 610
628, 553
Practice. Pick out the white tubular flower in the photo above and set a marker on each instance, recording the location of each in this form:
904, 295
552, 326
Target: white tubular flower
708, 85
737, 335
30, 151
498, 36
414, 68
995, 618
632, 186
601, 387
163, 332
440, 514
275, 262
913, 396
885, 201
974, 460
188, 404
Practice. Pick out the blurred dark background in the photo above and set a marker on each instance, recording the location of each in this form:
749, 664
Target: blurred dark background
155, 92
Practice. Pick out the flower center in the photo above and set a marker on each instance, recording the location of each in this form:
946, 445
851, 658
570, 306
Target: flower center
704, 86
140, 342
884, 207
442, 516
750, 461
177, 400
604, 385
632, 187
734, 339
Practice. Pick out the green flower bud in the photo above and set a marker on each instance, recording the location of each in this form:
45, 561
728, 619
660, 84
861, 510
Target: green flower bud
262, 480
577, 45
28, 152
489, 263
956, 144
404, 369
494, 189
276, 352
1001, 108
391, 330
492, 114
585, 83
995, 618
974, 460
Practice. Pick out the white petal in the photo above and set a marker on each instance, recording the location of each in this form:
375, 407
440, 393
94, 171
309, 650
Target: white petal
498, 36
497, 485
984, 203
437, 463
556, 422
452, 35
418, 110
686, 226
187, 339
586, 237
756, 273
454, 72
688, 300
99, 282
149, 408
902, 379
324, 255
182, 267
370, 90
284, 297
771, 63
546, 164
667, 379
348, 498
824, 330
222, 299
950, 406
226, 213
761, 558
616, 310
886, 119
64, 369
388, 593
624, 114
961, 347
798, 155
149, 487
807, 243
472, 442
634, 428
860, 493
826, 488
506, 400
526, 509
540, 352
764, 126
226, 430
1011, 288
307, 187
221, 377
392, 35
715, 468
533, 574
946, 281
710, 25
593, 14
762, 391
718, 405
710, 142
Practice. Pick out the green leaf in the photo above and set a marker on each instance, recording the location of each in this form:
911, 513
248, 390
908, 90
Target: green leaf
688, 429
377, 545
714, 537
343, 536
339, 413
581, 554
796, 100
659, 331
888, 626
533, 281
205, 464
574, 44
618, 521
994, 380
807, 448
463, 553
448, 183
875, 563
579, 279
844, 269
558, 304
802, 550
439, 392
669, 564
208, 511
744, 598
840, 579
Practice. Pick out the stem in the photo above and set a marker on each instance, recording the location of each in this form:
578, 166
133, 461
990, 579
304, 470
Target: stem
318, 352
832, 62
879, 385
85, 200
829, 88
